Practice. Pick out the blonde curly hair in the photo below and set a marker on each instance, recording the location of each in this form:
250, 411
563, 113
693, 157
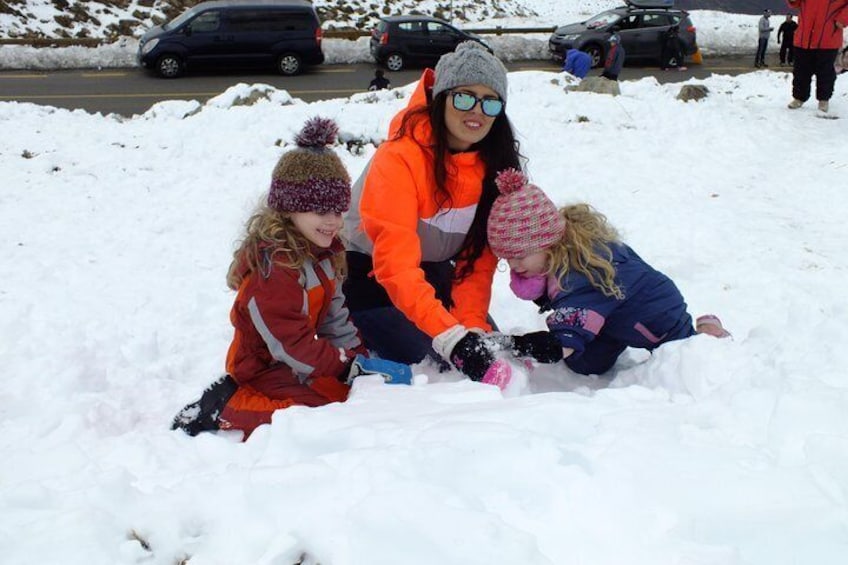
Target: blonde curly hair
585, 248
272, 239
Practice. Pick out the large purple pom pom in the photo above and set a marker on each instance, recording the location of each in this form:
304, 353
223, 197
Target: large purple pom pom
317, 133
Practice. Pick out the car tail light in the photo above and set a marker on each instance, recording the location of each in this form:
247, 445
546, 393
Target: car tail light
384, 39
319, 35
691, 29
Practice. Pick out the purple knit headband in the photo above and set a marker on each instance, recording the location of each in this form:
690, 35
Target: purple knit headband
313, 195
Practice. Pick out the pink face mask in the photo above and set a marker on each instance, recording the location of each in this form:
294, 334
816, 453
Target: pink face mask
528, 288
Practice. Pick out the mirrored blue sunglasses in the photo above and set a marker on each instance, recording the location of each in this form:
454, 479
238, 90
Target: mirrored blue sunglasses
465, 101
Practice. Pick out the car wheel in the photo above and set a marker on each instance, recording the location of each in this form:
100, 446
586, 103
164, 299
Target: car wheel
595, 53
394, 62
289, 64
169, 66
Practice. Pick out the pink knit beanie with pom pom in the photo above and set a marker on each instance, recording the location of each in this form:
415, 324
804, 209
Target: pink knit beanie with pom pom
523, 220
311, 177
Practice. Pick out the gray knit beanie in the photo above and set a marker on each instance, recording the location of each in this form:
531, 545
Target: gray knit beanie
470, 63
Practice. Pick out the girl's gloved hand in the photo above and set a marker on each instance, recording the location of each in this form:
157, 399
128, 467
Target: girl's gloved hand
542, 346
392, 373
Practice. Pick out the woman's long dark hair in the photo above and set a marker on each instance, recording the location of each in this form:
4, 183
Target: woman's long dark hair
499, 150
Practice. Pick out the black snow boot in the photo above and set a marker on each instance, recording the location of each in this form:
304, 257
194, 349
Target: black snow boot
202, 416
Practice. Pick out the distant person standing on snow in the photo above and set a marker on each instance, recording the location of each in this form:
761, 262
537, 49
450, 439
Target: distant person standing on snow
785, 36
615, 56
817, 42
765, 29
577, 63
672, 50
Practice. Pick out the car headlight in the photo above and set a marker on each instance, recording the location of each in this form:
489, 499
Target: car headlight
571, 36
148, 47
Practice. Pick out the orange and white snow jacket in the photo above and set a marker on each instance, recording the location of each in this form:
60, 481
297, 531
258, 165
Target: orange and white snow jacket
294, 321
396, 219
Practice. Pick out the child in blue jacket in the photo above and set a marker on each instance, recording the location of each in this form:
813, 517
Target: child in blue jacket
577, 63
602, 296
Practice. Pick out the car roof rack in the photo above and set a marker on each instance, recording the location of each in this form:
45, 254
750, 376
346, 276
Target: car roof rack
650, 3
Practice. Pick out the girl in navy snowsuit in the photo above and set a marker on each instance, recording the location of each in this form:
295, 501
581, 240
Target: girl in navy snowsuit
602, 296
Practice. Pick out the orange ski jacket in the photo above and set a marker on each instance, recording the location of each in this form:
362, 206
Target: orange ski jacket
400, 224
291, 323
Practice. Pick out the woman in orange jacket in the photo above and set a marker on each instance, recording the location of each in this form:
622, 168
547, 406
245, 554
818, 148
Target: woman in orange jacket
420, 268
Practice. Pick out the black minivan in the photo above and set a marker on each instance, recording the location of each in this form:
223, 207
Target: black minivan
285, 34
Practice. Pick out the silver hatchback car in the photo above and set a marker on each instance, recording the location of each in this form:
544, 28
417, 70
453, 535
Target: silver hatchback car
641, 29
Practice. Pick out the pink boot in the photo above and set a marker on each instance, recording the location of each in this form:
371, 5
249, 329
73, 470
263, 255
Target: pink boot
710, 324
499, 374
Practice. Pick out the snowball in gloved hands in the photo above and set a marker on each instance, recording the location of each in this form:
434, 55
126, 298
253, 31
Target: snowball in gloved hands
473, 356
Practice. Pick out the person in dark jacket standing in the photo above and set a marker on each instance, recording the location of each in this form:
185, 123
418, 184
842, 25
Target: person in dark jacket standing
817, 41
615, 56
672, 50
785, 36
765, 29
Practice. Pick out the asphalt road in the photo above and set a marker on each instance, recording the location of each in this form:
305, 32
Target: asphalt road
133, 91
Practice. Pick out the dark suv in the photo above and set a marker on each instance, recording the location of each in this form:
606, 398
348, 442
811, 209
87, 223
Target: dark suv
642, 31
285, 34
400, 41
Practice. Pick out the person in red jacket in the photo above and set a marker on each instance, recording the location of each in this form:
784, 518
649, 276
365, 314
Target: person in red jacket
420, 268
817, 41
294, 342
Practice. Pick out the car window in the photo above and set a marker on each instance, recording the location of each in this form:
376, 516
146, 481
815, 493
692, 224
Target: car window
437, 28
181, 19
265, 20
411, 27
655, 20
602, 20
206, 22
629, 22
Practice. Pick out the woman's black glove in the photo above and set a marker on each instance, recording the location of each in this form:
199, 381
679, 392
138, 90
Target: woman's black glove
542, 346
473, 356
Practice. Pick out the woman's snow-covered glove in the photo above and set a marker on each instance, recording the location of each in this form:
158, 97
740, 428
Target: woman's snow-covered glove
542, 346
473, 356
393, 373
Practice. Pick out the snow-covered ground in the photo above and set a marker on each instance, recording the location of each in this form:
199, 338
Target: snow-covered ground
719, 33
116, 236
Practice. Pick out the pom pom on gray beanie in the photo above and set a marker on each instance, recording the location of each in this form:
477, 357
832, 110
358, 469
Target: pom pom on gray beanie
470, 63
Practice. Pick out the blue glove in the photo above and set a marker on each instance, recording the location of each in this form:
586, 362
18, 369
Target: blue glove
393, 373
